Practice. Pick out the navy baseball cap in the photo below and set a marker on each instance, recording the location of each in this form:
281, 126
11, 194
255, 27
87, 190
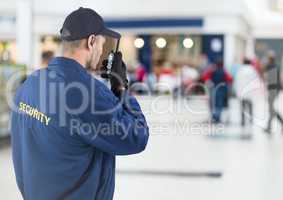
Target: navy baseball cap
82, 23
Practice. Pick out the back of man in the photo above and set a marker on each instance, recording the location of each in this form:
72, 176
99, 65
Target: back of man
273, 76
67, 128
48, 160
247, 83
50, 154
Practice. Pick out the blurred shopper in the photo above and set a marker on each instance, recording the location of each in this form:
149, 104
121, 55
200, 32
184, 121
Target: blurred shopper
255, 62
138, 86
177, 73
219, 95
152, 79
140, 73
245, 79
65, 141
189, 76
167, 79
204, 63
131, 73
46, 57
273, 81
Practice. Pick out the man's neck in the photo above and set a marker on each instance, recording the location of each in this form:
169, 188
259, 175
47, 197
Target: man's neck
77, 57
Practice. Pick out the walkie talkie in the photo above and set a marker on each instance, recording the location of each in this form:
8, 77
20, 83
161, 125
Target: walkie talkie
111, 58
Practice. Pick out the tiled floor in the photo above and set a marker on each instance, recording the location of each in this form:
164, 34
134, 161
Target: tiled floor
252, 167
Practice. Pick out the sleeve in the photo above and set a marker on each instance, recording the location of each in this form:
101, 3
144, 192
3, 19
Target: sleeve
206, 75
228, 78
117, 127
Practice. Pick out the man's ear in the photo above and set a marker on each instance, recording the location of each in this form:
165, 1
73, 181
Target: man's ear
90, 41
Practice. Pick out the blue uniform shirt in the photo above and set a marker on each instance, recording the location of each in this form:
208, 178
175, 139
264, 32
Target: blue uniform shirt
65, 121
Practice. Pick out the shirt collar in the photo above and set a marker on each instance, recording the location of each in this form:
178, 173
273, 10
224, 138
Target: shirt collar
66, 63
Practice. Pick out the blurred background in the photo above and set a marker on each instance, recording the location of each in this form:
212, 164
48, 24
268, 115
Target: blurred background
207, 142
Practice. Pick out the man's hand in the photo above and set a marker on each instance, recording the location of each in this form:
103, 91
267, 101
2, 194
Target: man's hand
118, 75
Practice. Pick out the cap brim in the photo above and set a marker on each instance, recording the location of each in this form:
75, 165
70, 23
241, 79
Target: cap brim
110, 33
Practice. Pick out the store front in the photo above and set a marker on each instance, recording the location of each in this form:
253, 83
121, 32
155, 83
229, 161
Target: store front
181, 49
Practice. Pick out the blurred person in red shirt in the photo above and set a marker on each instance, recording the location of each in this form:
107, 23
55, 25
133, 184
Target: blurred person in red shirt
220, 81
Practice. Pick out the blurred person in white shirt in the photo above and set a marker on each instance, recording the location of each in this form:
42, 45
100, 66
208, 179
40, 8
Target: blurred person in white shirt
247, 88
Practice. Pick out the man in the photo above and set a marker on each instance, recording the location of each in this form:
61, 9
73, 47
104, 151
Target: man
219, 94
67, 127
273, 80
246, 86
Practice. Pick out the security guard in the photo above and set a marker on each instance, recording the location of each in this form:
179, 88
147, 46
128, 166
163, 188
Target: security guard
67, 126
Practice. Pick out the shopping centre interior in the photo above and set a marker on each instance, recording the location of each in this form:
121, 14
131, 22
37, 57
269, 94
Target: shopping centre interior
172, 43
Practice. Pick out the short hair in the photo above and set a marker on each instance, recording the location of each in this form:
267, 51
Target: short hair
219, 62
71, 46
46, 56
